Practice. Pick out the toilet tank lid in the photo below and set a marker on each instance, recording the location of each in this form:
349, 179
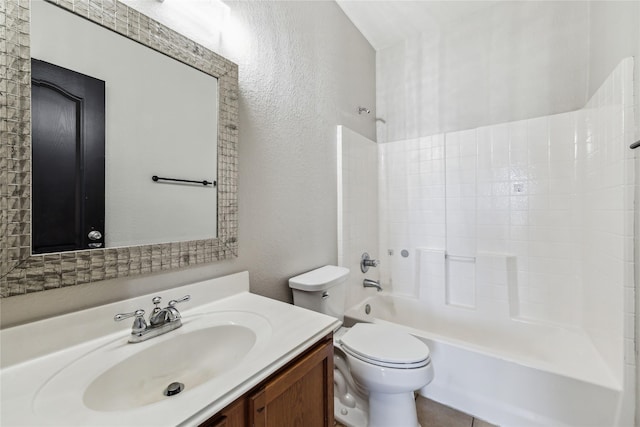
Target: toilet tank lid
319, 279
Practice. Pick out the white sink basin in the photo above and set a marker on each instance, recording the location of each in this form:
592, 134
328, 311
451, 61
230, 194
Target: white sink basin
78, 370
142, 378
122, 376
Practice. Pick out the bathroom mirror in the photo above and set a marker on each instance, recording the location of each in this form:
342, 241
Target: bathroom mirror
201, 140
158, 117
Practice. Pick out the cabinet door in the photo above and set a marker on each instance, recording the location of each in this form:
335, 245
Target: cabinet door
231, 416
302, 395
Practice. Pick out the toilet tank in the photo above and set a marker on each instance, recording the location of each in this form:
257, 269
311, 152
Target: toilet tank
322, 290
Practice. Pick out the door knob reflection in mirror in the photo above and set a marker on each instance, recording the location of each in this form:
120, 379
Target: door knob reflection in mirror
94, 235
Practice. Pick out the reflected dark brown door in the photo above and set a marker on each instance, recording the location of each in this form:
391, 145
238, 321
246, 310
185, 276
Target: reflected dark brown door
68, 136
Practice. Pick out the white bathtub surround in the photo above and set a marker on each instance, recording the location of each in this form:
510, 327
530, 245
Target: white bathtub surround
432, 271
357, 165
35, 390
412, 207
542, 190
510, 373
520, 235
608, 202
485, 283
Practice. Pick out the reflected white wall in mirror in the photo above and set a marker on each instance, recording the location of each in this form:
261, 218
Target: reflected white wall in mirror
203, 21
161, 118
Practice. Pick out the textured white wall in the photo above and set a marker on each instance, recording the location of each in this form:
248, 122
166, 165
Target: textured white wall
303, 70
296, 86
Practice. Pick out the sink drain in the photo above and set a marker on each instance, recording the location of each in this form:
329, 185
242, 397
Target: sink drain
173, 388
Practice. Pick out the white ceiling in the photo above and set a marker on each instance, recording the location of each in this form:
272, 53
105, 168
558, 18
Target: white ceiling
387, 22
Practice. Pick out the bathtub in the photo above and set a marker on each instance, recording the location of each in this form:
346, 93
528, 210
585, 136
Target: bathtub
507, 372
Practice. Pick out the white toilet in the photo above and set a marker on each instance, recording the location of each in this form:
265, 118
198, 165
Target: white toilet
384, 365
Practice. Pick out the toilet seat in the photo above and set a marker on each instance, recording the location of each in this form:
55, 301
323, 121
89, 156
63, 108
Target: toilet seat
385, 346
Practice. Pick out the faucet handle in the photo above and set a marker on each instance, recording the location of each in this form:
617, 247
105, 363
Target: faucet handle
366, 262
139, 324
122, 316
173, 302
156, 302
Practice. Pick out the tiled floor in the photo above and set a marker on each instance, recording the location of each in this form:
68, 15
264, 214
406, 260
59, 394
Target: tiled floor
433, 414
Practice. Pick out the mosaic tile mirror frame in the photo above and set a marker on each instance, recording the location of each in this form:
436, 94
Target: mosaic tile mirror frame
20, 271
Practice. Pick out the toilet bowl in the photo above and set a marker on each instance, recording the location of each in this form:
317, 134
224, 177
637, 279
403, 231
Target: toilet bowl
390, 366
377, 367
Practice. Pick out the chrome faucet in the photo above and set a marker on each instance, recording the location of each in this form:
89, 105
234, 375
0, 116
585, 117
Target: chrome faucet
161, 320
368, 283
366, 262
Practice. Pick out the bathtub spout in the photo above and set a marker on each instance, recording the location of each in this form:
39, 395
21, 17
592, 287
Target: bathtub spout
368, 283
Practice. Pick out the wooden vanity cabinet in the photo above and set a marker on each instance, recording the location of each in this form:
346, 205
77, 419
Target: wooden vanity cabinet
298, 395
233, 415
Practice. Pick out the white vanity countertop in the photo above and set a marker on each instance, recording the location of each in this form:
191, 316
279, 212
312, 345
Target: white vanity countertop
34, 355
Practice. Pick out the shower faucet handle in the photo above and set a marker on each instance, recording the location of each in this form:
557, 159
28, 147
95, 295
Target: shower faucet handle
371, 262
366, 262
